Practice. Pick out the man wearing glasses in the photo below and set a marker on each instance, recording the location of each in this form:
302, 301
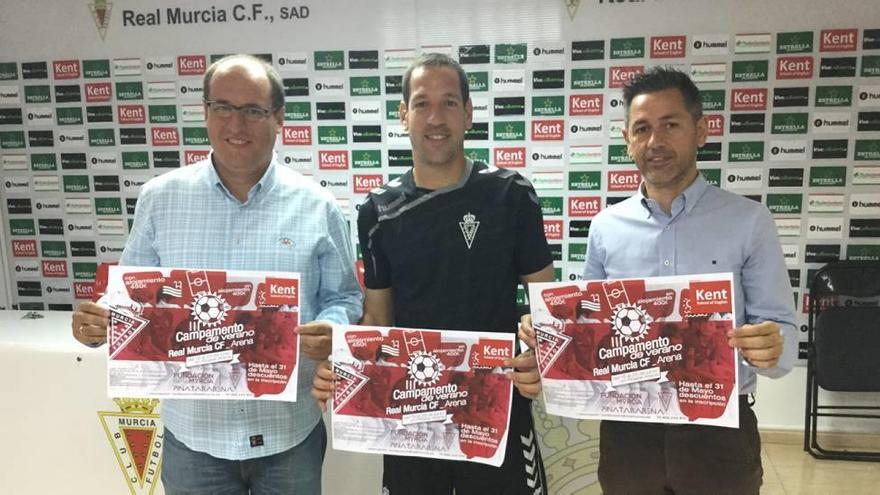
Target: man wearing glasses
240, 209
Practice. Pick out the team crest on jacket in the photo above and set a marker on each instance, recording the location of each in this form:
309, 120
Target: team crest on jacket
469, 226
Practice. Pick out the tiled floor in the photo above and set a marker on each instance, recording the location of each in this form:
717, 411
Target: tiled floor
788, 470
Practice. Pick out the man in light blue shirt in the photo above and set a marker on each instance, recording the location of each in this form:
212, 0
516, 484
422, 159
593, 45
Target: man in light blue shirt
677, 224
242, 210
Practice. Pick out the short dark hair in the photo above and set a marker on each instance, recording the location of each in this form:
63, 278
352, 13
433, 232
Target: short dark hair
660, 78
434, 61
277, 87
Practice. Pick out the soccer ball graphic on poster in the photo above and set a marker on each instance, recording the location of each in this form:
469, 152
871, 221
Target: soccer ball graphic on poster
425, 368
631, 322
209, 309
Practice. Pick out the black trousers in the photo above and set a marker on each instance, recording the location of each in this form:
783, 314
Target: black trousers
655, 459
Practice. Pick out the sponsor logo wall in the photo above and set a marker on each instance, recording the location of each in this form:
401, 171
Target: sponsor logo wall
794, 122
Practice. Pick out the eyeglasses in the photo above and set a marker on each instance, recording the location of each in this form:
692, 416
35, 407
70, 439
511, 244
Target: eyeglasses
251, 113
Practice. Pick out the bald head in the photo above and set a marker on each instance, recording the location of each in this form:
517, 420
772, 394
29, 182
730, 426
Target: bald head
249, 64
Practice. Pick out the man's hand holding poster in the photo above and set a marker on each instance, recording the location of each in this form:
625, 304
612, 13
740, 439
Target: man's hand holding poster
206, 334
427, 393
651, 350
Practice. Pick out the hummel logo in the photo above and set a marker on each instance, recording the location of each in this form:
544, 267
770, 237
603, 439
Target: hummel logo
469, 227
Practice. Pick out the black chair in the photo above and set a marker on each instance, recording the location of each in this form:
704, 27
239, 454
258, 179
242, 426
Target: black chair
844, 349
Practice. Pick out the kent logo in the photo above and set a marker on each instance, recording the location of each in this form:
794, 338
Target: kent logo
66, 69
329, 60
552, 230
37, 94
668, 46
619, 76
794, 67
98, 92
96, 69
715, 124
584, 181
195, 136
548, 106
55, 268
712, 100
511, 53
297, 110
833, 96
366, 183
162, 114
133, 90
748, 99
587, 78
827, 176
624, 180
509, 130
69, 116
551, 207
750, 70
627, 48
131, 114
296, 135
473, 54
282, 291
789, 123
746, 151
191, 65
333, 159
364, 86
8, 71
194, 156
838, 40
366, 159
547, 130
711, 297
584, 206
585, 104
102, 137
332, 134
798, 42
26, 248
165, 136
83, 290
510, 157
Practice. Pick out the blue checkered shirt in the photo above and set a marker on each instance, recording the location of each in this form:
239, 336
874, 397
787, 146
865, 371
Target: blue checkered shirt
187, 218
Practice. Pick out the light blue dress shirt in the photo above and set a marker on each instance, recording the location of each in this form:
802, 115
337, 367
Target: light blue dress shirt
709, 231
187, 218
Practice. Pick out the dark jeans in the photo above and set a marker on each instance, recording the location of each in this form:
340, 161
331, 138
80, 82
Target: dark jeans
655, 459
296, 471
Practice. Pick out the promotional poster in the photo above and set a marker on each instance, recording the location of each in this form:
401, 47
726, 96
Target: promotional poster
649, 350
206, 334
426, 393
